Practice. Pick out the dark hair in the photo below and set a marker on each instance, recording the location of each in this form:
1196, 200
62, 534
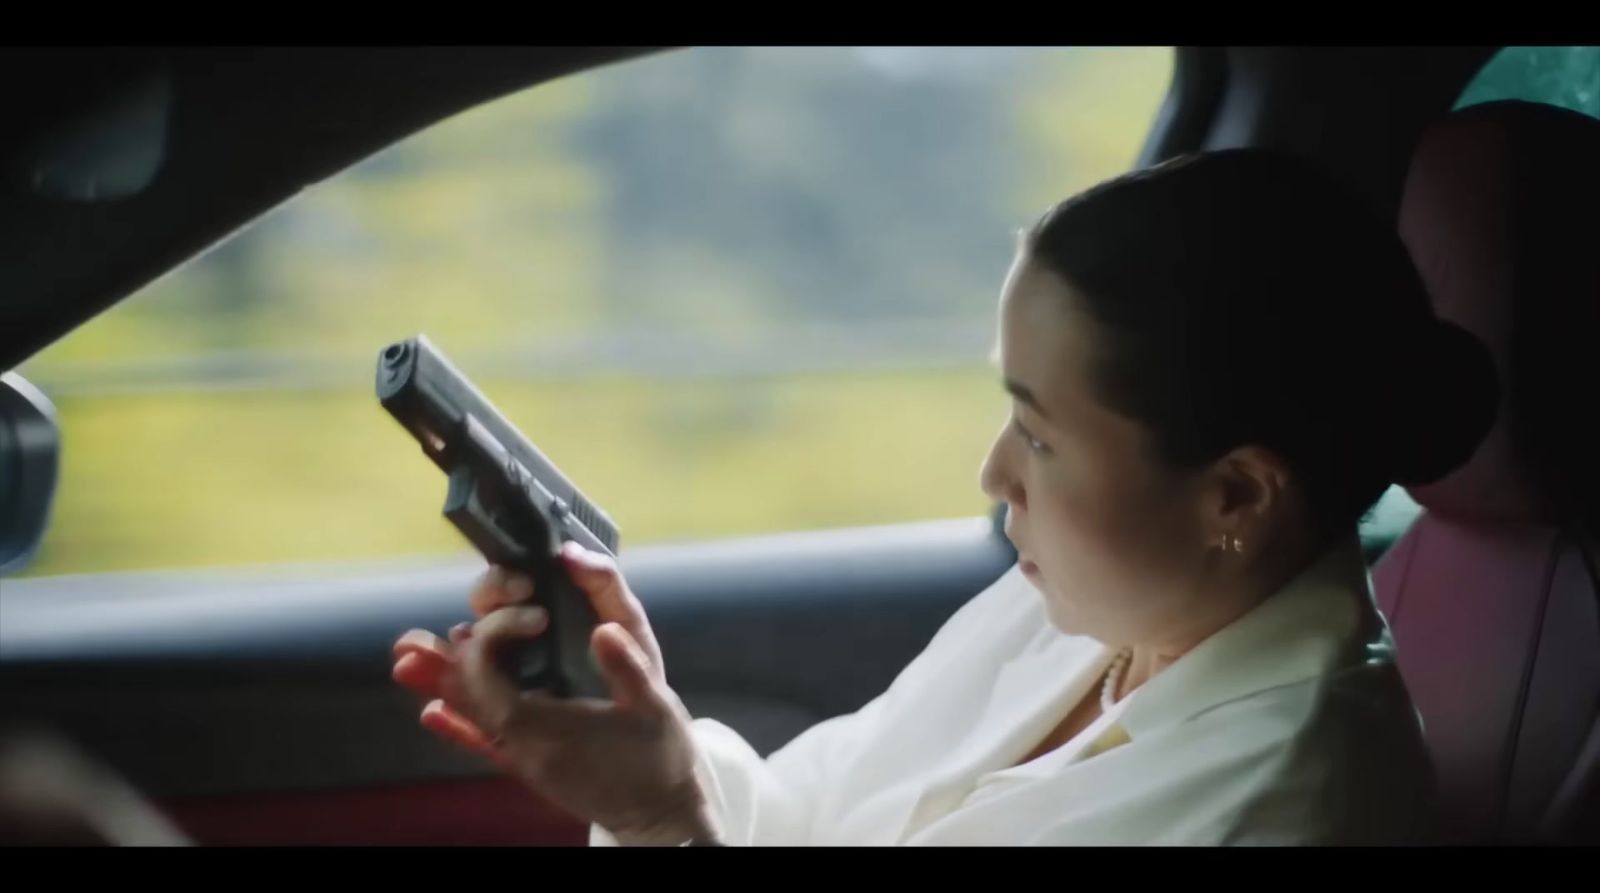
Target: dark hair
1245, 297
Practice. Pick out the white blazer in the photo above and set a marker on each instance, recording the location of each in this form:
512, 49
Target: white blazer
1290, 726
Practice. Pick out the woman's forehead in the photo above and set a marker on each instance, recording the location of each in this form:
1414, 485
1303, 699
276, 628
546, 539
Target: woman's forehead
1043, 337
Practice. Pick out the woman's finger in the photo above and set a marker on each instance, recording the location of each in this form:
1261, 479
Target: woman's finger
499, 588
481, 690
600, 578
422, 672
625, 668
508, 624
420, 641
438, 718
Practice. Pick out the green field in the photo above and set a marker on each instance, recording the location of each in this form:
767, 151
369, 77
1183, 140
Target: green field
193, 479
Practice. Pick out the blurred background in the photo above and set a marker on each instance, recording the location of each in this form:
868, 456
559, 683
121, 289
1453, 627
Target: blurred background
728, 290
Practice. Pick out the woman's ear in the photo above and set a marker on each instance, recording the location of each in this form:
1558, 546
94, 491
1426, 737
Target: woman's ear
1247, 489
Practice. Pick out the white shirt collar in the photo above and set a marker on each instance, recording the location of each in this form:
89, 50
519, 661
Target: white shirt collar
1321, 620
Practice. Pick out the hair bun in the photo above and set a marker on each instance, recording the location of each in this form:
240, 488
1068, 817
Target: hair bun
1449, 407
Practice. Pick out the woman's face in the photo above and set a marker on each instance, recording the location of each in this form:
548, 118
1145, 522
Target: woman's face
1115, 540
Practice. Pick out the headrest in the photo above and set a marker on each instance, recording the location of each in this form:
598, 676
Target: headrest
1502, 215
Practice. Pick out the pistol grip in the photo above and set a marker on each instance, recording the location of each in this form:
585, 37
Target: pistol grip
559, 662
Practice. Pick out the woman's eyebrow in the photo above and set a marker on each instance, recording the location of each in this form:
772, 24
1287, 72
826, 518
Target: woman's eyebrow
1021, 391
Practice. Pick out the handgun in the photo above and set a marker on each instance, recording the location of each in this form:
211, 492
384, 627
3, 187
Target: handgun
510, 501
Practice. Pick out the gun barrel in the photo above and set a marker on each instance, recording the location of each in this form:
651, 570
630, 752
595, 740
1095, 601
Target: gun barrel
433, 400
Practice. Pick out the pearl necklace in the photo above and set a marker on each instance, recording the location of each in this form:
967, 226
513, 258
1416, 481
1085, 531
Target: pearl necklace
1108, 691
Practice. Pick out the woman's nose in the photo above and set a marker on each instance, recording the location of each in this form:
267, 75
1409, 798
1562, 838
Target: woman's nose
993, 477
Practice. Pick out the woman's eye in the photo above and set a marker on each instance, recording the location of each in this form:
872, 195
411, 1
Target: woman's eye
1027, 438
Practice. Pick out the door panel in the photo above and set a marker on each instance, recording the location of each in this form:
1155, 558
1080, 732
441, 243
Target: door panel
258, 707
470, 812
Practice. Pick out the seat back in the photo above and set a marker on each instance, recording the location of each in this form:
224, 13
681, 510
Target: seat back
1492, 594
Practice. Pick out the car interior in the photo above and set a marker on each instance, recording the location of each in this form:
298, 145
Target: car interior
269, 717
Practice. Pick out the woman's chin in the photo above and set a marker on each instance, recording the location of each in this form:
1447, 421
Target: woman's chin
1056, 608
1066, 617
1061, 623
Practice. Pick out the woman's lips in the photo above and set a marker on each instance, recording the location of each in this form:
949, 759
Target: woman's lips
1027, 567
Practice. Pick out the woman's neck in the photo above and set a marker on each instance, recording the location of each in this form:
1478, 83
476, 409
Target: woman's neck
1235, 592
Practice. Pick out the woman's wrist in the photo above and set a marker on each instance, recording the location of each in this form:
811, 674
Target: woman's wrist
702, 833
691, 825
698, 832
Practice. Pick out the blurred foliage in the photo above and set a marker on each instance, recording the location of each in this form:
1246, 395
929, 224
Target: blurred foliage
225, 415
272, 476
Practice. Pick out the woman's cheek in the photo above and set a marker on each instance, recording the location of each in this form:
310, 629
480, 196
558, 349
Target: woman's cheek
1099, 520
1064, 522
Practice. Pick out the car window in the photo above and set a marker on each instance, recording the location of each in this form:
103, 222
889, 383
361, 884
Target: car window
1564, 76
728, 290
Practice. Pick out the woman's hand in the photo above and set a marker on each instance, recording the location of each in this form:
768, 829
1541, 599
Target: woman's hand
626, 764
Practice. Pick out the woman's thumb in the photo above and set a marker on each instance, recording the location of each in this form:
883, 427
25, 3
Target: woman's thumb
624, 666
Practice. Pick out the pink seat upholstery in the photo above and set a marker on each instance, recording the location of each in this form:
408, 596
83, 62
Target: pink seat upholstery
1492, 593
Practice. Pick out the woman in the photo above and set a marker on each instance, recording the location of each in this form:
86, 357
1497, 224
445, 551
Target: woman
1216, 367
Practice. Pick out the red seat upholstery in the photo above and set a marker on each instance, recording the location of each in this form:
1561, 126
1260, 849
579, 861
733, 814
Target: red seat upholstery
1492, 593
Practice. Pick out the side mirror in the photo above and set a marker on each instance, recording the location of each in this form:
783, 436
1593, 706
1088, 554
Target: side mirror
30, 459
